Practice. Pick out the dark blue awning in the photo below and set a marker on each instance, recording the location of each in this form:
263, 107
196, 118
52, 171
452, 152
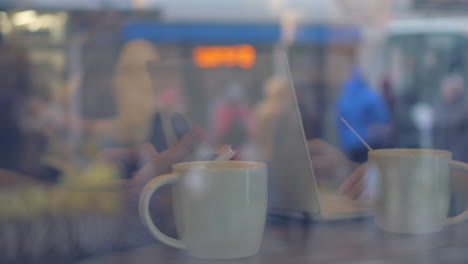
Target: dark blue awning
199, 33
327, 34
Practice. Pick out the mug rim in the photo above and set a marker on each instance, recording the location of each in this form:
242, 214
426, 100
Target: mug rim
190, 165
405, 152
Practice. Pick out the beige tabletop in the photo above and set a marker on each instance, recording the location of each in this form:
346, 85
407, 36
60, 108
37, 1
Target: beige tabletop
293, 241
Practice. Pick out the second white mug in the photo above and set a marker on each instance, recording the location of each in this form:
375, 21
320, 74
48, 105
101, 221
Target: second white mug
413, 189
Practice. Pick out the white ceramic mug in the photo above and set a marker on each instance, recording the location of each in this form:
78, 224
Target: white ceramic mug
220, 207
413, 189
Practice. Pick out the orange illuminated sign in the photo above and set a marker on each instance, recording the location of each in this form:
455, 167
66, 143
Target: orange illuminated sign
214, 56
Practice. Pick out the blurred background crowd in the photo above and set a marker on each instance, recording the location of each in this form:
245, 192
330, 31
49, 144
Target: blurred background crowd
394, 69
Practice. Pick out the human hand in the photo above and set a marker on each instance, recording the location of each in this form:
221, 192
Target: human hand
328, 161
139, 156
160, 163
355, 185
156, 165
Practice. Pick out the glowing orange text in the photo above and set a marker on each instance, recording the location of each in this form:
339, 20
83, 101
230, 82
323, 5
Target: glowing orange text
214, 56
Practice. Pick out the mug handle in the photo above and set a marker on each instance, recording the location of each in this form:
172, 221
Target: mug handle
463, 216
144, 203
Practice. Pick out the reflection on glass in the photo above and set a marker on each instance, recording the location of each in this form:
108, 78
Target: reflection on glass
94, 104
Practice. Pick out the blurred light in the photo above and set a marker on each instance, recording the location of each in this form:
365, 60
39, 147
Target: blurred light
243, 56
289, 24
5, 25
33, 22
276, 5
423, 116
139, 4
24, 18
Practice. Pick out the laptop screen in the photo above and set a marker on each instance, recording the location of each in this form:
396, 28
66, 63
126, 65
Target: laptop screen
248, 103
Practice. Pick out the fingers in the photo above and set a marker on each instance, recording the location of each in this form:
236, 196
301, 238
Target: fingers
157, 166
354, 185
328, 161
358, 189
146, 152
161, 163
185, 146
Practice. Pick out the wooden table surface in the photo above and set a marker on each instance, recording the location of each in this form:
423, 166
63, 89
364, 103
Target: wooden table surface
293, 241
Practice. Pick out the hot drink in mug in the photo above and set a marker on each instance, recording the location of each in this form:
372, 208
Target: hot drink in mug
220, 207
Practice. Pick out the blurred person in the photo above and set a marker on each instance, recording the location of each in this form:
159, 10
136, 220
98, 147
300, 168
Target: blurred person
451, 118
22, 141
168, 121
388, 95
270, 112
84, 220
99, 33
366, 112
232, 117
450, 132
407, 133
134, 95
310, 103
310, 92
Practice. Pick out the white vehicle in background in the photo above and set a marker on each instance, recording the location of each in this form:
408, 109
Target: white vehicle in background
418, 53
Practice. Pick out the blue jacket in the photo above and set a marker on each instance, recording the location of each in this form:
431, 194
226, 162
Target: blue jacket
361, 107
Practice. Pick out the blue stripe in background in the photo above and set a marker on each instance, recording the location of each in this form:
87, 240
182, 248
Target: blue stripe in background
236, 33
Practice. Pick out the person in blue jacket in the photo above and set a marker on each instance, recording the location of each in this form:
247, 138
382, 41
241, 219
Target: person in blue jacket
366, 111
